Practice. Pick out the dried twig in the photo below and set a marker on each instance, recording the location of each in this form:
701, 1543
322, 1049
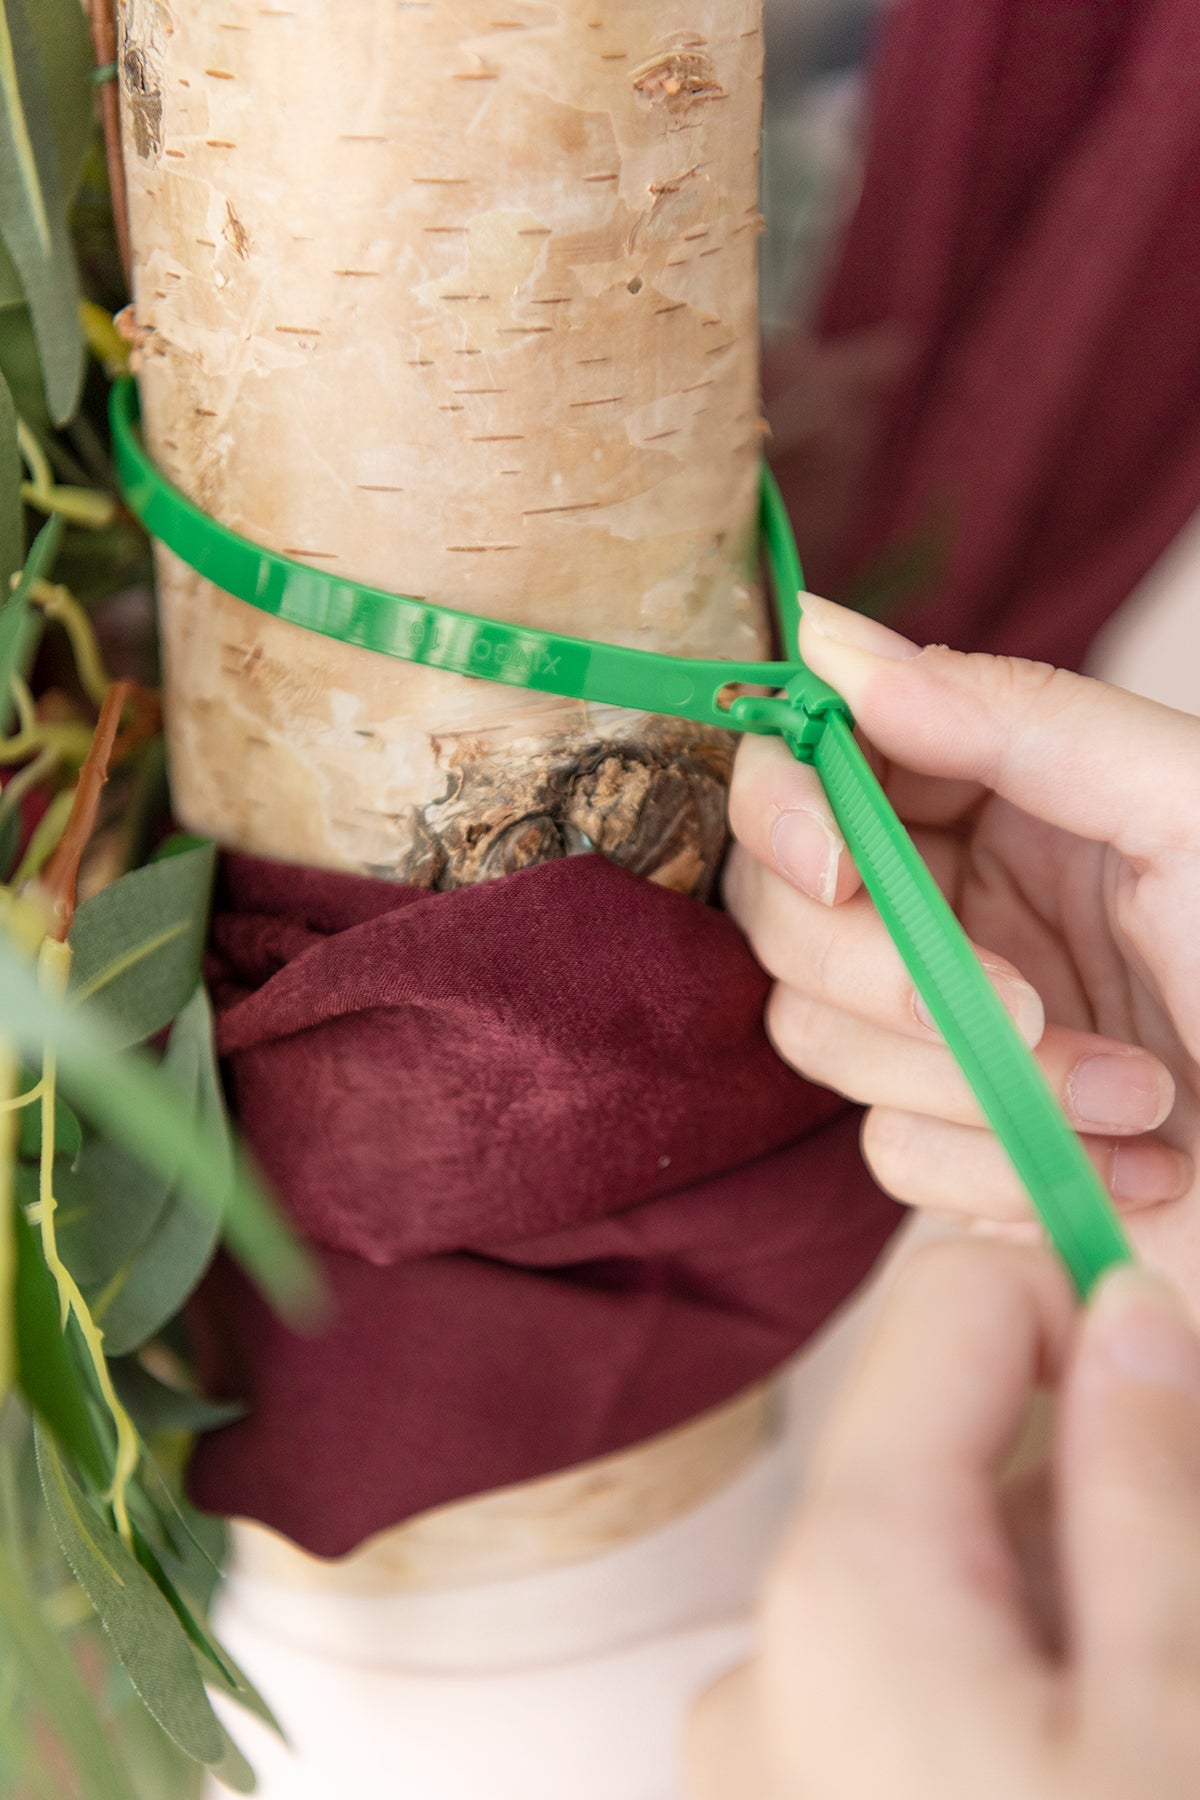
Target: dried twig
60, 878
101, 13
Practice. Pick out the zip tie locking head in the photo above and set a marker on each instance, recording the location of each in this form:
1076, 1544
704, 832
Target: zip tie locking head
798, 716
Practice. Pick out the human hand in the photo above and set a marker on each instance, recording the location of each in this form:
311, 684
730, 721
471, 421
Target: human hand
1062, 819
922, 1638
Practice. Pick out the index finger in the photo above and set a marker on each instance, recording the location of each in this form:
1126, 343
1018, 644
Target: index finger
1088, 758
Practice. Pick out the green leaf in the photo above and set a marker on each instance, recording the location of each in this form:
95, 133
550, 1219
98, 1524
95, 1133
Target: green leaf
137, 944
33, 224
64, 51
19, 363
167, 1265
64, 56
109, 1204
233, 1771
55, 1685
12, 530
10, 841
20, 626
137, 1620
138, 1106
68, 1133
216, 1665
195, 1565
48, 1374
156, 1407
38, 565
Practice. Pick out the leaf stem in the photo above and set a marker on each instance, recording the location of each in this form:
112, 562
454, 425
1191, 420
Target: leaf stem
58, 602
54, 971
8, 1243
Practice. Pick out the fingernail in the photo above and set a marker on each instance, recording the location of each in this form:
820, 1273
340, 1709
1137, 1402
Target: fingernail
1119, 1090
807, 851
843, 626
1146, 1174
1144, 1332
1022, 1003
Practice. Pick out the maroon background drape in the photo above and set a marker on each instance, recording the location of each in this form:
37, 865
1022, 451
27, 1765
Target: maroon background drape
564, 1194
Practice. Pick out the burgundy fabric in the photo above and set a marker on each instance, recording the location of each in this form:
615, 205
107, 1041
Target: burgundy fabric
563, 1194
1030, 222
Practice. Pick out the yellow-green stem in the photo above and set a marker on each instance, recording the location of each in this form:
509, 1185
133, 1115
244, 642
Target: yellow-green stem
8, 1242
59, 603
54, 970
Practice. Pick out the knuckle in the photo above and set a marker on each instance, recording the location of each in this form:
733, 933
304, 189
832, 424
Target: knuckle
775, 921
1016, 690
808, 1037
744, 803
886, 1140
828, 962
1014, 679
786, 1021
737, 887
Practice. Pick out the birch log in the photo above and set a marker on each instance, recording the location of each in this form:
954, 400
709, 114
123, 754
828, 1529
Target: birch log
457, 297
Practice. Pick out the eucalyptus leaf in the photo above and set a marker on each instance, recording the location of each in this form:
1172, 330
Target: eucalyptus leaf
137, 1619
151, 1286
38, 564
64, 51
33, 225
68, 1133
20, 625
155, 1407
64, 56
218, 1668
233, 1771
49, 1377
137, 944
216, 1665
19, 363
242, 1689
138, 1106
55, 1684
181, 1532
109, 1204
10, 842
12, 530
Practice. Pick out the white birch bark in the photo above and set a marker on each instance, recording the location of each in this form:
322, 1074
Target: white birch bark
457, 297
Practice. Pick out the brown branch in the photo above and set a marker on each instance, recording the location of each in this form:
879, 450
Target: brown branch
60, 878
101, 13
145, 720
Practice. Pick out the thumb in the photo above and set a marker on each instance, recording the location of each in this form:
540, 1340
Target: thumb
1129, 1440
1089, 758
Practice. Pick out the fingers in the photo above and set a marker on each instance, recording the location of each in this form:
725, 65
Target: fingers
959, 1169
1104, 1087
778, 810
898, 1603
844, 957
727, 1741
1130, 1483
967, 1333
1053, 743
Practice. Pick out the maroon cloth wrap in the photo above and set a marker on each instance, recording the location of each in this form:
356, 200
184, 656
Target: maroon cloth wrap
1029, 226
563, 1193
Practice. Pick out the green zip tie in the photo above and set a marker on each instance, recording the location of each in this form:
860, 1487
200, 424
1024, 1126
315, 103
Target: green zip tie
805, 711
